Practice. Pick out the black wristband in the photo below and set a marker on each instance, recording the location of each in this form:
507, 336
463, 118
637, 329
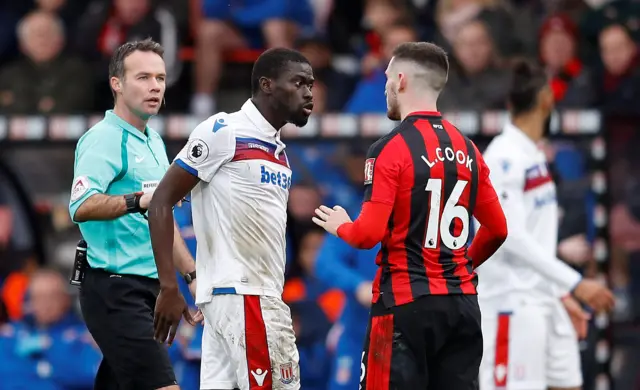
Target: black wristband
189, 277
133, 203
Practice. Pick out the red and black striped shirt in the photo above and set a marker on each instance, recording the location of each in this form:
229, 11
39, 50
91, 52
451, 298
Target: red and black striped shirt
433, 177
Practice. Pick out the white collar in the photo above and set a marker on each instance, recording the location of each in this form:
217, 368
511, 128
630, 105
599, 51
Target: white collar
520, 137
251, 111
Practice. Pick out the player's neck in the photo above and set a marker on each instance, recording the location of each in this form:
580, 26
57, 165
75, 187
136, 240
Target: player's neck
123, 112
412, 106
531, 124
268, 114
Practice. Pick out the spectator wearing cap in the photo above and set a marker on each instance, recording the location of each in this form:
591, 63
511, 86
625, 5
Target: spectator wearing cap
476, 80
618, 82
570, 78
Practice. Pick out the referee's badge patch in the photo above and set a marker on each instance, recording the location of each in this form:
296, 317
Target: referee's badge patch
197, 151
368, 170
80, 187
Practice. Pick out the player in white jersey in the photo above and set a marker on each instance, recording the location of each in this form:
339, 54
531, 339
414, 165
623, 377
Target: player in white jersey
239, 177
530, 319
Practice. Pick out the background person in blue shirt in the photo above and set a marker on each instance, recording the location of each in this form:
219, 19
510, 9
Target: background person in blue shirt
118, 164
35, 352
352, 270
368, 96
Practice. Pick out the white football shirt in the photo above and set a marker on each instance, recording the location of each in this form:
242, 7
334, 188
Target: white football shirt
527, 261
240, 205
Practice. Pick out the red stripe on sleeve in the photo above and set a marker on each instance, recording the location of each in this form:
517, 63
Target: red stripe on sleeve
386, 174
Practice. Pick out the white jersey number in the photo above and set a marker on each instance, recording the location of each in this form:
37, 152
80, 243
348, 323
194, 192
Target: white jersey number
451, 211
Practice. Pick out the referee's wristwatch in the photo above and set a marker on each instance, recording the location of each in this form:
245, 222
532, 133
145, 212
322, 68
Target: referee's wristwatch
189, 277
133, 202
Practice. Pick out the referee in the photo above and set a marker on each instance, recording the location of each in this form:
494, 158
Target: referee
118, 164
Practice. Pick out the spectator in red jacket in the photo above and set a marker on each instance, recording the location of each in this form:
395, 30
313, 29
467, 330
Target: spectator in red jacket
570, 78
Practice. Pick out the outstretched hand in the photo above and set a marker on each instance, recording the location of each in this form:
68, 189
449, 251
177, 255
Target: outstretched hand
331, 219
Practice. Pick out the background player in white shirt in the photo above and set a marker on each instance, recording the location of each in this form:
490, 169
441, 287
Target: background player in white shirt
239, 177
526, 293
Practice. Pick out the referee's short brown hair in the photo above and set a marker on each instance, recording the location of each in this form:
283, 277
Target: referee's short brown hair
429, 56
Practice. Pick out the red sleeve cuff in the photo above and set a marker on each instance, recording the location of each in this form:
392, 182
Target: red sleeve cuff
370, 227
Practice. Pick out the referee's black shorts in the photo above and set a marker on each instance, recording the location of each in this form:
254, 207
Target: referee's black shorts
118, 311
433, 343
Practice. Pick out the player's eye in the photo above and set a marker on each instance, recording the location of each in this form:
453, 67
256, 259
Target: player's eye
161, 79
143, 77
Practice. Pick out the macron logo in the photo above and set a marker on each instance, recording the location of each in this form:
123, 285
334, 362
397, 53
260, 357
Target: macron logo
219, 124
139, 159
259, 376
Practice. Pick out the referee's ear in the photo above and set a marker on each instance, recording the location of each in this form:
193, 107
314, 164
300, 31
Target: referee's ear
115, 84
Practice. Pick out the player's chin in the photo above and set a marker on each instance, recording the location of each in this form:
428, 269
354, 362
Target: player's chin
394, 115
301, 119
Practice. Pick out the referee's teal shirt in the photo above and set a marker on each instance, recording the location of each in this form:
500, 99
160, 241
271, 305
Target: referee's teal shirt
115, 158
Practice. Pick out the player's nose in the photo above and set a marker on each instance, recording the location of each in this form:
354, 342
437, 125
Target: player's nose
307, 94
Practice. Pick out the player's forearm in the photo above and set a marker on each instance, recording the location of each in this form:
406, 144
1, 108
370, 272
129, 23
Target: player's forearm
492, 233
101, 207
162, 231
368, 230
182, 259
484, 245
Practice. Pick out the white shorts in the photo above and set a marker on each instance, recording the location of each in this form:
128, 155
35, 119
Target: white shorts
528, 346
248, 343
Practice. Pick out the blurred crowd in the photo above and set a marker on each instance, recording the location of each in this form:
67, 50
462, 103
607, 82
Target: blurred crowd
53, 60
53, 53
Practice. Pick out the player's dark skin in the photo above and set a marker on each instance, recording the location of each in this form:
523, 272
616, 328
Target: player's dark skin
281, 100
